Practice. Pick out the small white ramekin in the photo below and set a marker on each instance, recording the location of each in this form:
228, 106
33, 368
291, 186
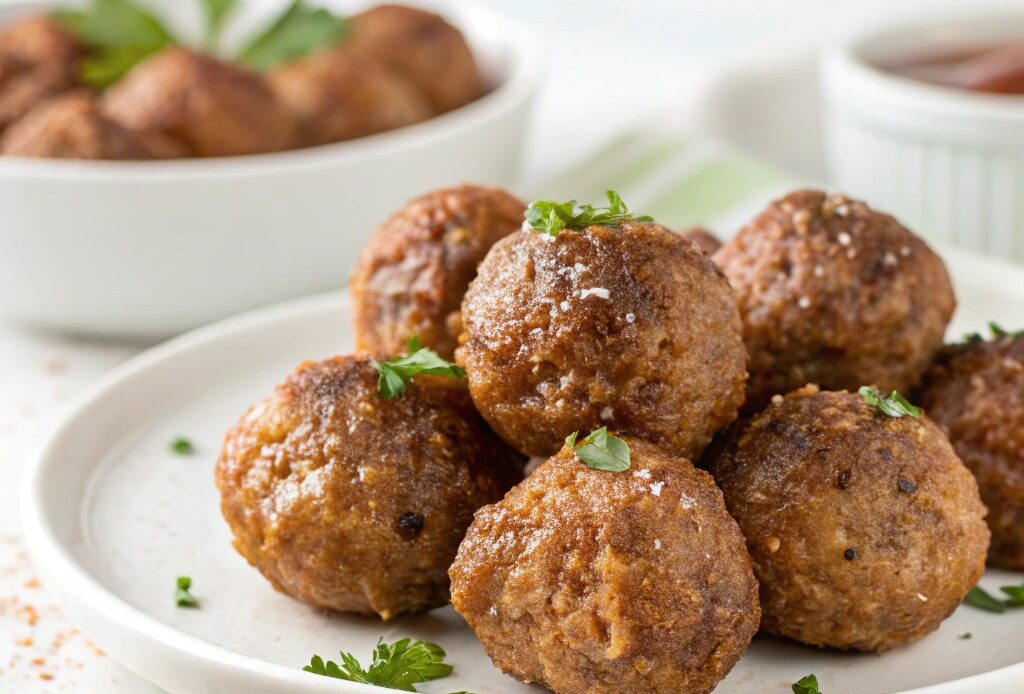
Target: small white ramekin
948, 162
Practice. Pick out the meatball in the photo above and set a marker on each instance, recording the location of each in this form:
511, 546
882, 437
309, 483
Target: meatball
632, 327
349, 502
592, 581
412, 274
866, 530
703, 239
212, 108
423, 47
38, 60
73, 127
975, 392
338, 95
834, 293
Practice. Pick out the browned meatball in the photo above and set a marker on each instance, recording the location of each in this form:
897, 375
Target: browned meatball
413, 272
975, 392
834, 293
212, 108
73, 127
590, 581
703, 239
38, 60
866, 530
425, 48
350, 502
339, 95
631, 327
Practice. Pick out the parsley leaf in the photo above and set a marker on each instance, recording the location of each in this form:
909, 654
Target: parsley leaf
1016, 594
806, 685
399, 665
216, 12
550, 217
118, 33
395, 373
980, 598
999, 332
601, 450
182, 597
298, 31
894, 405
181, 446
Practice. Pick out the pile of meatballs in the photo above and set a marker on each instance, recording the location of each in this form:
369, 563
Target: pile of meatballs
394, 67
763, 492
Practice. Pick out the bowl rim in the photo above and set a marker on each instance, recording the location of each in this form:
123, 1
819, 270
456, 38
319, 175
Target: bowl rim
848, 76
518, 84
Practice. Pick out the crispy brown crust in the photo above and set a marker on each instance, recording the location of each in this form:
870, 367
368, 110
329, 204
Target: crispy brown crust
315, 479
834, 293
592, 581
212, 108
413, 272
73, 126
338, 95
422, 46
975, 392
630, 327
866, 530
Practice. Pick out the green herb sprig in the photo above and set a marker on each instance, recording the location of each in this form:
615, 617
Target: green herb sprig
182, 596
894, 404
600, 450
998, 332
399, 665
120, 34
394, 374
982, 599
551, 218
806, 685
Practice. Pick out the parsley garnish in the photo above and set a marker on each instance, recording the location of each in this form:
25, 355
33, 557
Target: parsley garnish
806, 685
395, 373
298, 31
181, 446
982, 599
894, 404
399, 665
600, 450
182, 597
999, 332
118, 33
965, 636
550, 217
216, 12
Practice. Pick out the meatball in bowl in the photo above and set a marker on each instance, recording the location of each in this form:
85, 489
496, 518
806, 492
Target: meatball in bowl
199, 230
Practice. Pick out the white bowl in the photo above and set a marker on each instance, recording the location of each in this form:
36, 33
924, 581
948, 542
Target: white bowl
153, 248
948, 162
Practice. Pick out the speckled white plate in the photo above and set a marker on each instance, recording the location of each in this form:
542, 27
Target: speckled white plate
112, 517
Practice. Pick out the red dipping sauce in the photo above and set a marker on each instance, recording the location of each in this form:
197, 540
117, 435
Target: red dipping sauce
994, 68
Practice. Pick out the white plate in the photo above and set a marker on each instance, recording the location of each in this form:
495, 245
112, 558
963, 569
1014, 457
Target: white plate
112, 517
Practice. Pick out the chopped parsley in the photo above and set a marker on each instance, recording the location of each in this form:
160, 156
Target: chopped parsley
399, 665
183, 598
600, 450
298, 31
982, 599
181, 446
394, 374
894, 404
998, 332
550, 217
806, 685
966, 636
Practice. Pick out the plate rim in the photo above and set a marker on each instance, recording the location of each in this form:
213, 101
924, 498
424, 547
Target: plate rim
75, 590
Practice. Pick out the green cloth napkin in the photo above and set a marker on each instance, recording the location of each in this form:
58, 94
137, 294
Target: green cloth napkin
680, 181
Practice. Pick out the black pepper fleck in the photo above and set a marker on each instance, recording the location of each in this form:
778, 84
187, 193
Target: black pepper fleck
410, 524
850, 554
843, 479
906, 486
